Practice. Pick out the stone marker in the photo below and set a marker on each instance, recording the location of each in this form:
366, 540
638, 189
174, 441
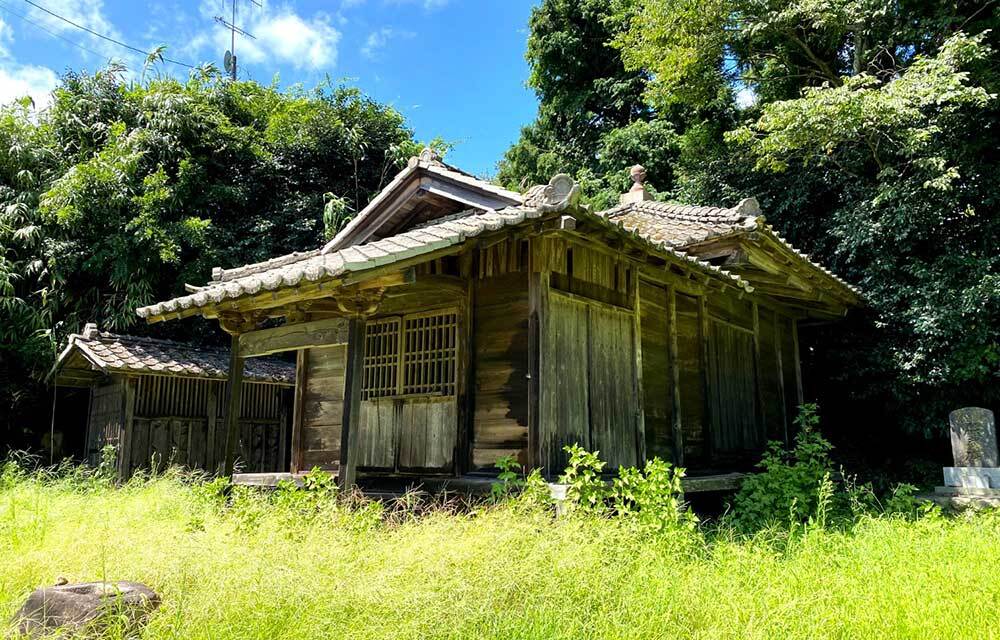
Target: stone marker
974, 437
88, 605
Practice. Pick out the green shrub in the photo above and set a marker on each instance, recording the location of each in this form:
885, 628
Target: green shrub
652, 497
788, 487
585, 487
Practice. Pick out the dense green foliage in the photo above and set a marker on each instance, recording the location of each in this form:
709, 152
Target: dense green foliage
309, 564
867, 130
119, 193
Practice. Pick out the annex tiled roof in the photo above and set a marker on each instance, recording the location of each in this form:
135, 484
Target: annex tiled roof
680, 226
677, 225
113, 353
314, 266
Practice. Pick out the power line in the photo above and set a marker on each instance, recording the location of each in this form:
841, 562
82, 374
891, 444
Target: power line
104, 37
47, 30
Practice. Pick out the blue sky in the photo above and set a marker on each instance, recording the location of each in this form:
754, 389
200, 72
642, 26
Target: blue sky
454, 68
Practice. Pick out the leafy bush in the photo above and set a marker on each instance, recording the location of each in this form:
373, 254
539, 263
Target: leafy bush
788, 488
585, 487
652, 496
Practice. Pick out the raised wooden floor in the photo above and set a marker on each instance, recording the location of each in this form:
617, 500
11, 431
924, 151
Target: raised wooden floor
473, 484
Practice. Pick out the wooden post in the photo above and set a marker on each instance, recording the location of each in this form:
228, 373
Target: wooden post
282, 429
781, 376
301, 368
352, 403
212, 413
677, 425
798, 361
125, 443
640, 419
538, 285
760, 413
233, 405
706, 373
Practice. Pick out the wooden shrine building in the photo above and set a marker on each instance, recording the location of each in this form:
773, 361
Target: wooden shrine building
163, 402
453, 322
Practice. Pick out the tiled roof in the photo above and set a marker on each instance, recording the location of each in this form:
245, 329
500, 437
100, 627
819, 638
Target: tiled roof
677, 225
288, 271
314, 266
680, 226
113, 353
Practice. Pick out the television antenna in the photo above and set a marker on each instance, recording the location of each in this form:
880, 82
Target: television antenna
230, 58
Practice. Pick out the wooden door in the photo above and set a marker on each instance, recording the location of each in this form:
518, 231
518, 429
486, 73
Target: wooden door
735, 429
614, 396
564, 393
589, 391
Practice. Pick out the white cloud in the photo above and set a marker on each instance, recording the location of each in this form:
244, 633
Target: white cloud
282, 37
17, 81
378, 40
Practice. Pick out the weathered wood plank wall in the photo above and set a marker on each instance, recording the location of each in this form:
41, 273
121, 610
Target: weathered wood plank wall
658, 403
176, 421
322, 408
500, 338
107, 418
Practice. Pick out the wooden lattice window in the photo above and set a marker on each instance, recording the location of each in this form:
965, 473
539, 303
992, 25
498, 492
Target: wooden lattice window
430, 347
381, 364
411, 355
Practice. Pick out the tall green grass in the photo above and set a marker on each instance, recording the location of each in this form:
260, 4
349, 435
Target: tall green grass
266, 567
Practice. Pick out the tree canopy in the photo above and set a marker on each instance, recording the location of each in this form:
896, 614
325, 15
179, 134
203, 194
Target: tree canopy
121, 192
866, 129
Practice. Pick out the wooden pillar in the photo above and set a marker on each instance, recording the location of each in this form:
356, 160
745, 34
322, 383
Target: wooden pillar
706, 375
301, 368
233, 403
758, 384
125, 443
538, 287
640, 391
677, 425
212, 414
798, 361
781, 376
349, 436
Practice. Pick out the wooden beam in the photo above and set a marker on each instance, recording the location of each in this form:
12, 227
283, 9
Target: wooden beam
350, 429
292, 337
233, 407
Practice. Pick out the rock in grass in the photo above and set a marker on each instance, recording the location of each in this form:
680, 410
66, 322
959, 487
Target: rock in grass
87, 606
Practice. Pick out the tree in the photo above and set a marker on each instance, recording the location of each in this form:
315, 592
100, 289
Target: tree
121, 192
869, 143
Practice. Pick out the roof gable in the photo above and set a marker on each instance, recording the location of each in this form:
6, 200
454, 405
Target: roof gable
425, 190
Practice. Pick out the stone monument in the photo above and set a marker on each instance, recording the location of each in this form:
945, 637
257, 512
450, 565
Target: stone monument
975, 478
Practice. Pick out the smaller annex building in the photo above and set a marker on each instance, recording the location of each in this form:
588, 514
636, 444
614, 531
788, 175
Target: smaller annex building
163, 402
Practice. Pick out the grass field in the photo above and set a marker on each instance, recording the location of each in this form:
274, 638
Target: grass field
259, 568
